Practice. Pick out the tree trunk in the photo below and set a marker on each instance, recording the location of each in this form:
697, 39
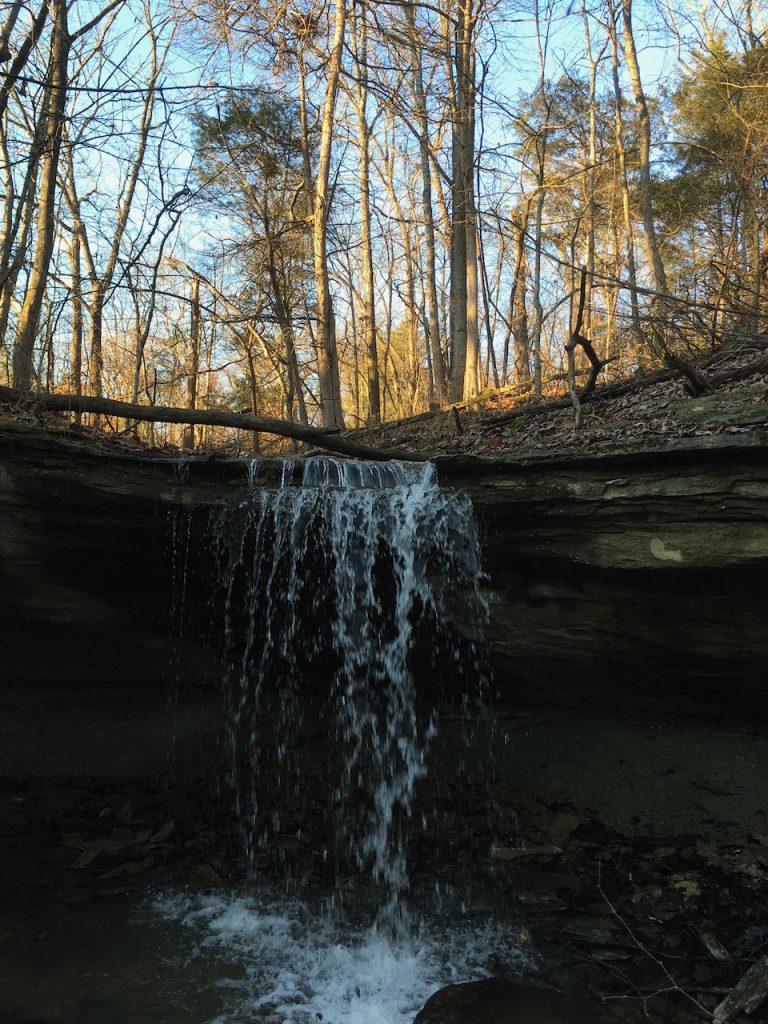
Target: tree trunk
20, 231
472, 369
757, 276
439, 375
490, 313
518, 316
535, 346
55, 103
76, 342
462, 124
24, 51
590, 183
102, 283
645, 198
254, 389
96, 336
325, 335
294, 394
541, 142
368, 315
636, 329
193, 368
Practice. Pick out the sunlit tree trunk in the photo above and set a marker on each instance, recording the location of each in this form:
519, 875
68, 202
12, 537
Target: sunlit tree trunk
593, 61
463, 295
518, 314
52, 124
368, 317
541, 142
472, 369
325, 335
439, 372
253, 387
618, 130
55, 104
645, 198
76, 337
407, 262
756, 268
193, 364
489, 311
17, 233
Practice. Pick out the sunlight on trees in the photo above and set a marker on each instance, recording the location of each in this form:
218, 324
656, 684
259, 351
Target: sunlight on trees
342, 212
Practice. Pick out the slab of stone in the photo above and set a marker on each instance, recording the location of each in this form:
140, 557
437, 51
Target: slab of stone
495, 1001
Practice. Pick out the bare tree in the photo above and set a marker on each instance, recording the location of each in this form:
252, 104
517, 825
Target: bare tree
645, 197
360, 42
329, 381
53, 124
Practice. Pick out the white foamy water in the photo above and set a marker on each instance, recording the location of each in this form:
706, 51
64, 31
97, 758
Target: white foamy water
296, 966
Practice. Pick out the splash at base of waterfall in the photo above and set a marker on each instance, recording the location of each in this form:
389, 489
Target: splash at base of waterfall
290, 964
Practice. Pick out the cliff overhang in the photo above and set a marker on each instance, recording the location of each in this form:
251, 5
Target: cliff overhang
634, 565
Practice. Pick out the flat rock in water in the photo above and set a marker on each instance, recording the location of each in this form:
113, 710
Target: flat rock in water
494, 1001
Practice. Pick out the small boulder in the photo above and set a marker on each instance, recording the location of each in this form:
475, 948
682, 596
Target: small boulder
495, 1001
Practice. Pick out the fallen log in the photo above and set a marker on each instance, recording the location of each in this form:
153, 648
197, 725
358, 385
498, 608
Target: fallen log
211, 417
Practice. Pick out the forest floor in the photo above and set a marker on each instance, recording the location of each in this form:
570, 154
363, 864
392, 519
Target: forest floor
643, 411
651, 409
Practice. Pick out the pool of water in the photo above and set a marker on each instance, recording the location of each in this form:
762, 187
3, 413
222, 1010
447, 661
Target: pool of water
247, 957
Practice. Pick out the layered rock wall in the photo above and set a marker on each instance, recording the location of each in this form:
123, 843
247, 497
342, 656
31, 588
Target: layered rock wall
607, 574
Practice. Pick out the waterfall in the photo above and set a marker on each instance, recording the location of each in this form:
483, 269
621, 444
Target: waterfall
342, 570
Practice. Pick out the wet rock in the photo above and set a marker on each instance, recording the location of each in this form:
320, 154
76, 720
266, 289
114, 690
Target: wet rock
499, 852
129, 867
598, 931
561, 826
163, 833
719, 786
713, 946
688, 885
203, 876
542, 887
493, 1001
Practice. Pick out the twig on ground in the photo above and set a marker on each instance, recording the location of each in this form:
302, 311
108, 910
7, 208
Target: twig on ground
673, 985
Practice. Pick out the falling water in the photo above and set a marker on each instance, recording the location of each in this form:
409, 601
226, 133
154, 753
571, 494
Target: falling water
343, 571
331, 605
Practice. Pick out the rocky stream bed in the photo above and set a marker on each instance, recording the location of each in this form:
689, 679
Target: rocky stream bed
628, 851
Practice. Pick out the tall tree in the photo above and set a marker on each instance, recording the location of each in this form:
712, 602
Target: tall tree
645, 186
53, 128
721, 119
53, 123
368, 317
251, 167
464, 280
329, 380
439, 374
